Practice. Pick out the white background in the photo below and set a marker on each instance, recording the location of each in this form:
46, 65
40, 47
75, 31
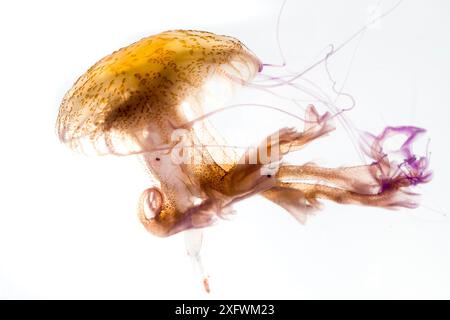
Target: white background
68, 227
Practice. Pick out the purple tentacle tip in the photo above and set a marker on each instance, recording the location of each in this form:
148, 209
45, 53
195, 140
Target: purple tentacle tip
410, 170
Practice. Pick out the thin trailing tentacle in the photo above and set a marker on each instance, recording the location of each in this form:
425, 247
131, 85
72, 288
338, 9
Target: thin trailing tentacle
193, 240
341, 46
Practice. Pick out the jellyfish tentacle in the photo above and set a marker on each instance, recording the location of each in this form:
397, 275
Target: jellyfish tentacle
412, 169
316, 126
167, 219
244, 180
257, 167
292, 200
359, 179
390, 199
384, 183
193, 239
301, 199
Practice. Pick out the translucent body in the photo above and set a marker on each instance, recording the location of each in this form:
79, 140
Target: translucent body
139, 99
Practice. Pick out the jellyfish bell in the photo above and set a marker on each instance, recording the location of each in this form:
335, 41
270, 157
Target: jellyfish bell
130, 101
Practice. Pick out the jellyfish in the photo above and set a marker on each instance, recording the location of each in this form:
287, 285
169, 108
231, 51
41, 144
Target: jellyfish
148, 99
